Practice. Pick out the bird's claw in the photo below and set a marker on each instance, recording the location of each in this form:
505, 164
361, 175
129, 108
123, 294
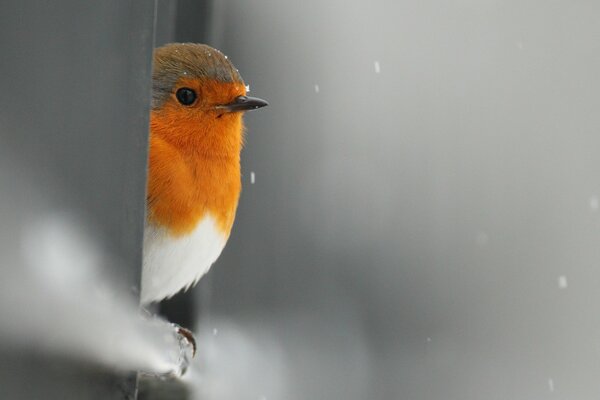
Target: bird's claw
187, 348
181, 358
187, 335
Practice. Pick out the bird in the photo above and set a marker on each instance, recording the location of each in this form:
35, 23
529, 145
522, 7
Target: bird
194, 175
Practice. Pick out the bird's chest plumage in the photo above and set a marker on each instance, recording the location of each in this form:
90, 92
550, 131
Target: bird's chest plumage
191, 208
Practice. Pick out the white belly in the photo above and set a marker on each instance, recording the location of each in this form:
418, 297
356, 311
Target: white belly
174, 263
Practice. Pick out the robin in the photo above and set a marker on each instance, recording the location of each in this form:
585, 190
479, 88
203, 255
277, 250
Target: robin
194, 178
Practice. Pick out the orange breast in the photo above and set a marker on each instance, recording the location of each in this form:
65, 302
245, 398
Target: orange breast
196, 173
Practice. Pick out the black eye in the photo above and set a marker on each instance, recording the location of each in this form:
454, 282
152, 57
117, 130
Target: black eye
186, 96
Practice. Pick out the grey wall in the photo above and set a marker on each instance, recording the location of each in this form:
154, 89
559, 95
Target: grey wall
411, 230
74, 106
76, 80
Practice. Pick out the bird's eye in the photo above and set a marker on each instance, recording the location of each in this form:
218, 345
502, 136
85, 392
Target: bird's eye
186, 96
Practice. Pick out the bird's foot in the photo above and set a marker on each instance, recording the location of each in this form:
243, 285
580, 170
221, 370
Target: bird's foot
187, 348
187, 336
180, 349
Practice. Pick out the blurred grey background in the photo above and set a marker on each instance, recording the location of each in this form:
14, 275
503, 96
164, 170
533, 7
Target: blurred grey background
424, 220
423, 217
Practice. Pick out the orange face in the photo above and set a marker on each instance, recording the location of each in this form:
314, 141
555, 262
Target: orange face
194, 163
204, 121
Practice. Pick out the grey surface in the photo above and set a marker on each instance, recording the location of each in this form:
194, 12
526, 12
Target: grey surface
75, 102
407, 230
31, 376
74, 106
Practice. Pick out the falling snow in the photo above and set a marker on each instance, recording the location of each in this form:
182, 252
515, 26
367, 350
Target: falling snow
215, 332
377, 67
562, 282
482, 238
247, 88
594, 203
551, 385
252, 177
317, 89
428, 340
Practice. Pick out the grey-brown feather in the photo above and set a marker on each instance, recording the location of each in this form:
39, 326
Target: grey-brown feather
175, 61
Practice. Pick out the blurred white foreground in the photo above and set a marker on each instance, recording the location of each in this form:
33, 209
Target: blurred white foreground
56, 294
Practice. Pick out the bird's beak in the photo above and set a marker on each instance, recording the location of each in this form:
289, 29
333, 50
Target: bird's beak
244, 103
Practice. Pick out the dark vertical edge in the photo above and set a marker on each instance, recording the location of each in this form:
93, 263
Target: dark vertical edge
192, 23
166, 13
142, 27
139, 81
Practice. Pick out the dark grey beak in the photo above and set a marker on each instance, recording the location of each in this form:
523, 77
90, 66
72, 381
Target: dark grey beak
244, 103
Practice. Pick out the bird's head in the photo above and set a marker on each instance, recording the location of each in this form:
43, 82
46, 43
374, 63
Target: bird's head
198, 98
